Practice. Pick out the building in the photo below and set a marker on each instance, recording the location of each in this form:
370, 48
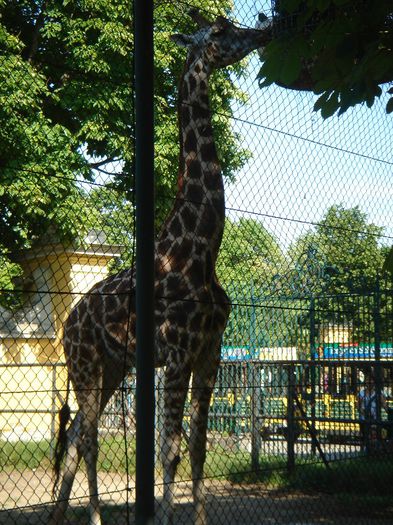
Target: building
32, 371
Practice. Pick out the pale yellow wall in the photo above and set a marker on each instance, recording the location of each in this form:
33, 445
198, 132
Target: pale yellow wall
336, 334
278, 353
31, 387
25, 388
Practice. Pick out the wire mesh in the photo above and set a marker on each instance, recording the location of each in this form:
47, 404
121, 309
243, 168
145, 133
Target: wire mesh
293, 402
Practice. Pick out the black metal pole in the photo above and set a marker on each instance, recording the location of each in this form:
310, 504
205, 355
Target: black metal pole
255, 412
144, 153
291, 420
313, 367
377, 346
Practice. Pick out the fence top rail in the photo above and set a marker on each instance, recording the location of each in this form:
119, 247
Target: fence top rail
315, 361
272, 297
32, 365
233, 362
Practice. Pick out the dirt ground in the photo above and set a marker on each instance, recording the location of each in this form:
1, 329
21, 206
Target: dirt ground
26, 500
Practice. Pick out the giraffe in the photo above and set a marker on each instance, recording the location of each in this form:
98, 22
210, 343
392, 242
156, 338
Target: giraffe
191, 307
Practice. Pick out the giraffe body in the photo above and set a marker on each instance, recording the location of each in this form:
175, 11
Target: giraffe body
191, 308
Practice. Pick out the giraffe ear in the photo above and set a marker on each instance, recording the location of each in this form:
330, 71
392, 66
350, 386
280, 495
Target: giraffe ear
222, 23
199, 18
182, 40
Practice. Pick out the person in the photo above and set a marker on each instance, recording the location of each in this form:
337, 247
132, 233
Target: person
368, 413
326, 383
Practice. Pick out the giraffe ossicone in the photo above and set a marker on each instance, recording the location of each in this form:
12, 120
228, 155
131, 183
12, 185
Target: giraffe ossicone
191, 307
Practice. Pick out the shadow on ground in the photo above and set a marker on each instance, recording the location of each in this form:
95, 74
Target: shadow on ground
227, 505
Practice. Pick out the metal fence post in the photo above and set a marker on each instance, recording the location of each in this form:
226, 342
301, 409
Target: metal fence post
377, 346
144, 162
255, 421
53, 414
312, 371
255, 389
291, 420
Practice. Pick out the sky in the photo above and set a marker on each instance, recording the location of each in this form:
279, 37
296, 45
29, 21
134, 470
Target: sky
301, 164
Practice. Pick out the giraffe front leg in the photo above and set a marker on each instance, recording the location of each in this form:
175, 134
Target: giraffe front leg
204, 377
175, 391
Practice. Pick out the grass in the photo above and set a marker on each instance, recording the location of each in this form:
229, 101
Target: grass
112, 456
362, 482
367, 479
22, 455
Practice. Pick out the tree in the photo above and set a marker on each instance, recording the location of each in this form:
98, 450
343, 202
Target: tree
346, 253
112, 214
350, 246
340, 49
250, 266
66, 116
250, 256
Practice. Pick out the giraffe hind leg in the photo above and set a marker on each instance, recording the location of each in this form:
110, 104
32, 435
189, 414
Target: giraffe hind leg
82, 440
72, 458
89, 447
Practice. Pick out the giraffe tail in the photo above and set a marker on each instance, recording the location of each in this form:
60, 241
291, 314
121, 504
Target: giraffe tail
61, 444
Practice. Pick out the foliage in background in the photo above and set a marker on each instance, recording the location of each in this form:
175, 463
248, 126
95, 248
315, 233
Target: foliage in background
344, 249
338, 262
66, 118
252, 266
340, 49
249, 254
388, 263
343, 262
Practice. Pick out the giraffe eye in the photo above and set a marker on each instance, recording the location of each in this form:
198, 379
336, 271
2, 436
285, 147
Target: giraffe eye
219, 32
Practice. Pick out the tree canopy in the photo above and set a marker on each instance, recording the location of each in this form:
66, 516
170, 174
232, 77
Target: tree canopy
339, 262
345, 247
340, 49
67, 118
250, 256
251, 265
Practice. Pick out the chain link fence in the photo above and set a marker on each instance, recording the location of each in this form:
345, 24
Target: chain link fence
297, 393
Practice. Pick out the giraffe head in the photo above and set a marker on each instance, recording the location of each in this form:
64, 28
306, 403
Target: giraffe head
220, 43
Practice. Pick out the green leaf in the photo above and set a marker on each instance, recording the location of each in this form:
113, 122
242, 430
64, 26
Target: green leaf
290, 69
270, 70
290, 5
370, 99
264, 82
321, 101
321, 86
388, 263
389, 105
330, 106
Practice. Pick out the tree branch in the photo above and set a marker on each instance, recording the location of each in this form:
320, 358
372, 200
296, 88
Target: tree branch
35, 37
96, 165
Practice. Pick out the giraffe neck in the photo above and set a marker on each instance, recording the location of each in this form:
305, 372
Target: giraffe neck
201, 190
